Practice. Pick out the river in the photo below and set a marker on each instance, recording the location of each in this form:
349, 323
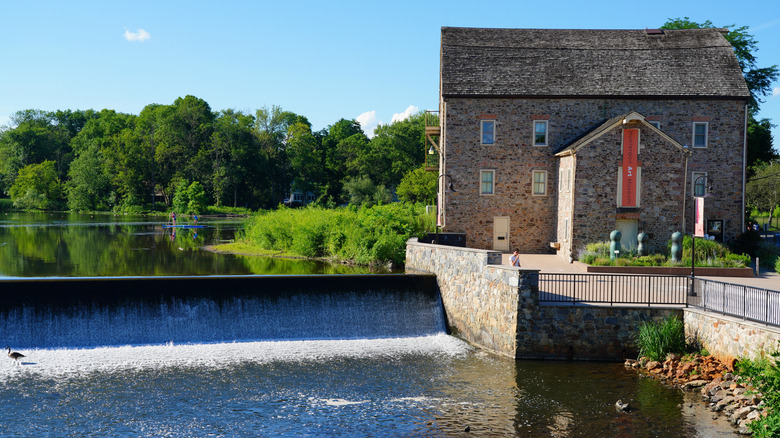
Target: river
423, 384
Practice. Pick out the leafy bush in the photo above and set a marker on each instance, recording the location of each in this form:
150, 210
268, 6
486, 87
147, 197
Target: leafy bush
363, 235
656, 340
777, 265
764, 374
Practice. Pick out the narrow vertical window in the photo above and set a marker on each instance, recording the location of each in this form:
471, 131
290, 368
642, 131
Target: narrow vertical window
700, 134
540, 182
566, 229
488, 131
487, 182
540, 132
568, 180
699, 182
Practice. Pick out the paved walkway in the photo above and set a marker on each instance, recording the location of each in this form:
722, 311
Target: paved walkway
551, 263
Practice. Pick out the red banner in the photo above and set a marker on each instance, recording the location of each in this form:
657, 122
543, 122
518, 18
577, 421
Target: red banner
630, 159
698, 230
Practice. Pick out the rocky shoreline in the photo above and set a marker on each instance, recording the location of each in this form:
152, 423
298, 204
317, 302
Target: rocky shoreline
720, 388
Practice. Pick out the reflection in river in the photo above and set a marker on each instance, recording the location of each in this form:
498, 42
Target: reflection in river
76, 245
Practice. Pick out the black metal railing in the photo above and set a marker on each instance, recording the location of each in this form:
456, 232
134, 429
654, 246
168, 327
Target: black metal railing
613, 289
741, 301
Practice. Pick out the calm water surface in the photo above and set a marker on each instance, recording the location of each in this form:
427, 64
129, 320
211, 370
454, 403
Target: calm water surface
76, 245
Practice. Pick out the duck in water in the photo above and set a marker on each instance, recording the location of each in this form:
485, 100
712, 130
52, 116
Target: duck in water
14, 355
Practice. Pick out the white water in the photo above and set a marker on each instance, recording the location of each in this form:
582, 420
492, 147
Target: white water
78, 361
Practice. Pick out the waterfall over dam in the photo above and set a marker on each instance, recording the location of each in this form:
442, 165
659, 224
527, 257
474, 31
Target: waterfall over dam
92, 312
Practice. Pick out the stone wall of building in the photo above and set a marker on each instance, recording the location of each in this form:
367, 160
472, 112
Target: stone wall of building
534, 220
727, 338
660, 196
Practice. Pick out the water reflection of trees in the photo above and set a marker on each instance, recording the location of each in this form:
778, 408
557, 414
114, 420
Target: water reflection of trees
85, 246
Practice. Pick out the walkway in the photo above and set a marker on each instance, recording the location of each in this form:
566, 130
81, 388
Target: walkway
551, 263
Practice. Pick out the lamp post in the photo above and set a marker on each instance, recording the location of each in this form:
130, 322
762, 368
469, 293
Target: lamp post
693, 232
450, 189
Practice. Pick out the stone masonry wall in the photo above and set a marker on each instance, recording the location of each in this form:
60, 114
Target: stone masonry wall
497, 308
727, 338
534, 220
661, 189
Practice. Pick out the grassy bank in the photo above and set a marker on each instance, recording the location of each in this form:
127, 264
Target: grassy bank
367, 235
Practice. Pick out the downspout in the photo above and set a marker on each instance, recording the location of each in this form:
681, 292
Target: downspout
744, 172
685, 189
571, 200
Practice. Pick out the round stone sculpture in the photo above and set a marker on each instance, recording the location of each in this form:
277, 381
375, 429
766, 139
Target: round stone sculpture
614, 244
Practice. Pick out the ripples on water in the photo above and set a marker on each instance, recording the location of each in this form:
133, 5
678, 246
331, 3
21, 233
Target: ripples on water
427, 386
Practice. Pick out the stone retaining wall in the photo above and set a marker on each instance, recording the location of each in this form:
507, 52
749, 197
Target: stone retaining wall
497, 308
727, 337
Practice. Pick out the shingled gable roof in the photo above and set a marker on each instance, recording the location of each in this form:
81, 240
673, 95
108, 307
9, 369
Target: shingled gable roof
608, 125
588, 63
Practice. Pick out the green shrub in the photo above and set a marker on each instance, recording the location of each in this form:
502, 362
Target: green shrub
656, 340
363, 235
777, 265
764, 374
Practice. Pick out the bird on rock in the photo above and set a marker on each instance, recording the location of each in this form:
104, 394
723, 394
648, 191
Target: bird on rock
14, 355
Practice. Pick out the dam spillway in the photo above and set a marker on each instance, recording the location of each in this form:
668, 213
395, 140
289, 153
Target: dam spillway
92, 312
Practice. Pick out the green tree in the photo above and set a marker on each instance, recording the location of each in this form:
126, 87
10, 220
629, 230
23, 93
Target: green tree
362, 191
763, 189
234, 156
395, 150
418, 185
37, 187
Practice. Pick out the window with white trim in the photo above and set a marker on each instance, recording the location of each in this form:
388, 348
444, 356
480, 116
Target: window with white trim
487, 131
539, 182
655, 123
700, 134
487, 182
566, 229
699, 183
540, 132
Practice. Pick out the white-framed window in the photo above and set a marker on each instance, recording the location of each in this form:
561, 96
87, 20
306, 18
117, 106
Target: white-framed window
699, 183
539, 183
568, 180
540, 133
487, 131
566, 229
487, 182
700, 134
655, 123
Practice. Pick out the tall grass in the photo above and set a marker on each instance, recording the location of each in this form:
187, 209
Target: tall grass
656, 340
365, 235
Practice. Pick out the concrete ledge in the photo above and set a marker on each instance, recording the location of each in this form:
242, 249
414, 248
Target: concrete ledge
666, 270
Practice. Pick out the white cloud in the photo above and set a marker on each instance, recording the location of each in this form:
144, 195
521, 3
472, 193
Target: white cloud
776, 92
141, 35
368, 122
405, 115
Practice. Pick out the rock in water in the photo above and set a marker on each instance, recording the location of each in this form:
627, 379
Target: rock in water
622, 407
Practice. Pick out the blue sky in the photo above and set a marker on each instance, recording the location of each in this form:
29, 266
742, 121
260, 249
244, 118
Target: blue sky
368, 60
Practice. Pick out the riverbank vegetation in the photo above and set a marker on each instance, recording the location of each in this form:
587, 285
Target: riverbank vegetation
656, 340
709, 253
363, 235
763, 373
746, 391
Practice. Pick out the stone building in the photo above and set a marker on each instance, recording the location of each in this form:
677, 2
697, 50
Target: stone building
551, 139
